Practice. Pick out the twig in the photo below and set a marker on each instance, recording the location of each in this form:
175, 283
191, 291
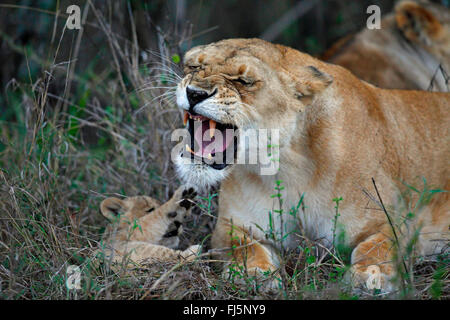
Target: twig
444, 75
289, 17
389, 220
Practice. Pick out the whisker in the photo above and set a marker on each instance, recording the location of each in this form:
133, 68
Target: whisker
166, 79
151, 87
164, 58
166, 69
155, 98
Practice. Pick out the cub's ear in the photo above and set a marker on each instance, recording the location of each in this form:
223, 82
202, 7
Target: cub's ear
417, 23
112, 207
310, 81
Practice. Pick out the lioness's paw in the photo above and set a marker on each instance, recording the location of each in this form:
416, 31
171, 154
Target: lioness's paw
369, 279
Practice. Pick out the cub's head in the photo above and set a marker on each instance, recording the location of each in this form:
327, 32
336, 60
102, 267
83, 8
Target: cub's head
235, 85
143, 218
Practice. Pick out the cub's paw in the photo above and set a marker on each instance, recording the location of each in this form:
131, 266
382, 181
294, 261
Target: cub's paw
369, 279
188, 195
191, 253
184, 196
264, 281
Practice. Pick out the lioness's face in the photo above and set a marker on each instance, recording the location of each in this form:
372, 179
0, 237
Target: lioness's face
230, 86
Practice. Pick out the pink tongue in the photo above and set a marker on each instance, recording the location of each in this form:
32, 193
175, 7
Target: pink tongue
219, 143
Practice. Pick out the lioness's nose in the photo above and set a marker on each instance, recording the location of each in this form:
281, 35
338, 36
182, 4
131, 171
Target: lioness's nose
196, 96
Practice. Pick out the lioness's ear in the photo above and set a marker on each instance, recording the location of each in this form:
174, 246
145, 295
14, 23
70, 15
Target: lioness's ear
111, 207
310, 81
417, 23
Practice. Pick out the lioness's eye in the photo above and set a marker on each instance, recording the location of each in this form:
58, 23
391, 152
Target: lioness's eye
193, 67
150, 210
244, 82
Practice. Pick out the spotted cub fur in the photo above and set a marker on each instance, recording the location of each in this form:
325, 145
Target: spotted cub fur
142, 230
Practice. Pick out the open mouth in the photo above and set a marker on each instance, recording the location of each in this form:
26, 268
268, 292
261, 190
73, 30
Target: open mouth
214, 143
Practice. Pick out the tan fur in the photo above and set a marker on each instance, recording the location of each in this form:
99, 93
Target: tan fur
137, 229
336, 133
405, 53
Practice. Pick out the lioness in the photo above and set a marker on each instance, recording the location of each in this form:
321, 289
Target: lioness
336, 133
143, 230
410, 51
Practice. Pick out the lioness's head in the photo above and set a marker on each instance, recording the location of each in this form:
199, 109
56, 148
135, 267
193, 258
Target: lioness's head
160, 226
426, 25
239, 84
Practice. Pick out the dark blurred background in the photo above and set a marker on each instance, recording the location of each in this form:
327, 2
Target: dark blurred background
308, 25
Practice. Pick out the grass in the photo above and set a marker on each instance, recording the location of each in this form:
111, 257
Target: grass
70, 137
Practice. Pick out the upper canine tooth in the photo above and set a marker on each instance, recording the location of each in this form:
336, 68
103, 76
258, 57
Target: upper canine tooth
185, 118
212, 128
189, 149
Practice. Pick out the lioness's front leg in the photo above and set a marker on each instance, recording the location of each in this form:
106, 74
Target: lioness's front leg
245, 253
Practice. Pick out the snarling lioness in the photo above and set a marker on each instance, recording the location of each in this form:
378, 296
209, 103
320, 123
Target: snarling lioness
411, 50
336, 134
143, 230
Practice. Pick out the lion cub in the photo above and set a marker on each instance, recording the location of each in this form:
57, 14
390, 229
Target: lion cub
143, 230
